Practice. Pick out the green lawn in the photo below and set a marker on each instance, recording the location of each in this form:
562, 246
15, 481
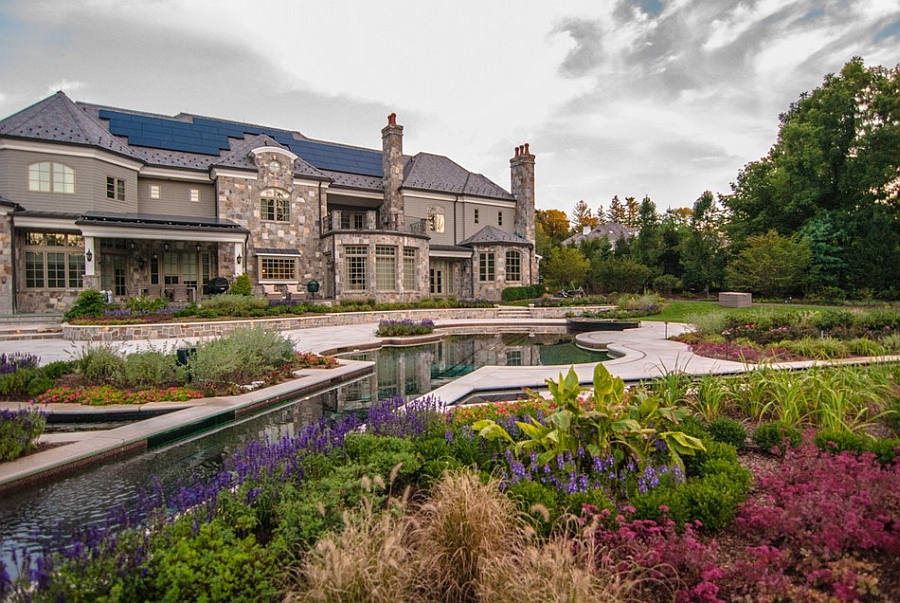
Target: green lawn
681, 310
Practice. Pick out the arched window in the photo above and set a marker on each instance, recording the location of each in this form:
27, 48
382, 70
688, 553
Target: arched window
513, 266
275, 205
51, 177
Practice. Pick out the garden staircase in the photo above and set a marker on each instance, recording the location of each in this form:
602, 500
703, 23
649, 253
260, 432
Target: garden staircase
30, 326
514, 313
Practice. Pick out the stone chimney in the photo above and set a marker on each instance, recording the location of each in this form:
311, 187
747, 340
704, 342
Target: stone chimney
391, 214
521, 168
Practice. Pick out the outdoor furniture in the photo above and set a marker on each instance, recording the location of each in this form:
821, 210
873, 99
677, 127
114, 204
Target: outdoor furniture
180, 294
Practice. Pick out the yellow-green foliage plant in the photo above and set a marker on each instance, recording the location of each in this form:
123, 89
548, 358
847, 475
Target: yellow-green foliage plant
610, 423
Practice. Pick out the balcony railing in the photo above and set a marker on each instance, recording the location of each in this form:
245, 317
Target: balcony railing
410, 225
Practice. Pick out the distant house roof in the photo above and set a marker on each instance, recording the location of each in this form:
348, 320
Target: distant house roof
490, 235
195, 142
611, 230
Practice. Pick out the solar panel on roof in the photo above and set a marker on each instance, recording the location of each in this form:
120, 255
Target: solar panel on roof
210, 137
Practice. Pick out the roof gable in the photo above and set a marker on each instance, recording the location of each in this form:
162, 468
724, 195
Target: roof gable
490, 235
58, 119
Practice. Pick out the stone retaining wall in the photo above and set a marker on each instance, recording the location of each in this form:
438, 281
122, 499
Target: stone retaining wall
182, 330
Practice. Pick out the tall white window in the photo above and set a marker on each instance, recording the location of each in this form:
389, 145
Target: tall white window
154, 191
195, 195
385, 268
355, 260
51, 177
486, 266
513, 266
410, 267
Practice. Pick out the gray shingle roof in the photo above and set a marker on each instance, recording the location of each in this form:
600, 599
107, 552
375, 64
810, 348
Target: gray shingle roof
490, 235
58, 119
198, 143
425, 171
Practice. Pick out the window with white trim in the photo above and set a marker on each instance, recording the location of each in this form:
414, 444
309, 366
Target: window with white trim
385, 268
154, 191
54, 261
277, 268
51, 177
195, 195
486, 266
356, 258
513, 266
275, 205
410, 269
115, 188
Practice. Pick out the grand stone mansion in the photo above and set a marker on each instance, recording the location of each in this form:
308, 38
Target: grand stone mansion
142, 204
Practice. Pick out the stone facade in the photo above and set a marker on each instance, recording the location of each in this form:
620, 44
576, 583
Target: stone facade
218, 328
186, 206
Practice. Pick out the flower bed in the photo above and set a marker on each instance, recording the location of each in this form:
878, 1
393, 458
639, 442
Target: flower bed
405, 327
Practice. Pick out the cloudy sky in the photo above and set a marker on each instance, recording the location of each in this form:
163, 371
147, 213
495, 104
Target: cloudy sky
665, 98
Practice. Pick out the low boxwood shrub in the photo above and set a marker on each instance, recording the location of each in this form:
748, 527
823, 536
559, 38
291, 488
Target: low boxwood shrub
19, 431
884, 449
728, 430
517, 293
776, 437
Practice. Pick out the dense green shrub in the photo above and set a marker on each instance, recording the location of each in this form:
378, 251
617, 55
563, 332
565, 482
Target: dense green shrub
90, 303
886, 450
39, 385
528, 292
143, 303
239, 357
241, 285
19, 431
212, 564
16, 384
775, 437
729, 431
100, 364
147, 368
58, 368
383, 456
537, 502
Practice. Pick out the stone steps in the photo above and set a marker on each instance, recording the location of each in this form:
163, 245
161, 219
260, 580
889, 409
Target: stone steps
514, 313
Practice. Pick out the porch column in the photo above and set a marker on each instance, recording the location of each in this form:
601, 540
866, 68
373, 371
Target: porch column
239, 259
91, 279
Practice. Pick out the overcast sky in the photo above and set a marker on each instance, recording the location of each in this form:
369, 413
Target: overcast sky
665, 98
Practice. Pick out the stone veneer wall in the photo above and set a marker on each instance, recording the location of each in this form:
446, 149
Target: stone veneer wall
371, 238
239, 200
7, 286
216, 329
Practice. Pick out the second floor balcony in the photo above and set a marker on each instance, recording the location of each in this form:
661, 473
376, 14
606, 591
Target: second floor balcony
342, 220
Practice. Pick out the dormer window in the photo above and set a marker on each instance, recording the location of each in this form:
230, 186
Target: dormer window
275, 205
51, 177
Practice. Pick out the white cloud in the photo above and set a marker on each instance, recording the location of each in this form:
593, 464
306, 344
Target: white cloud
613, 99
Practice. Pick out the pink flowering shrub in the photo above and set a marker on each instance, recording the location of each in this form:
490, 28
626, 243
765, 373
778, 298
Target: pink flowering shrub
741, 353
828, 505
